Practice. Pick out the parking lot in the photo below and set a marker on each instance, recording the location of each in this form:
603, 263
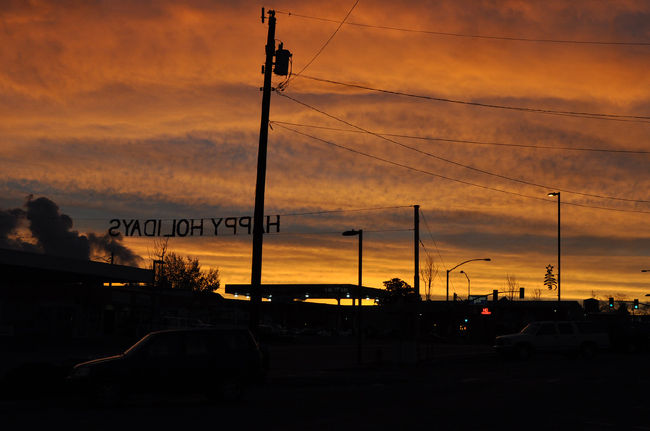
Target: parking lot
460, 387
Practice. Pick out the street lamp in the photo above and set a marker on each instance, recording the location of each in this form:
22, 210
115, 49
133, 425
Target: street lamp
558, 242
462, 263
359, 328
466, 276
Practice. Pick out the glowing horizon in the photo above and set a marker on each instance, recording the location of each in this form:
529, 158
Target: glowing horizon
133, 110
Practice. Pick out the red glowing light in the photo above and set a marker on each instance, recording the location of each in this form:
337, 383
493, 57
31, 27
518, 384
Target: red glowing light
486, 311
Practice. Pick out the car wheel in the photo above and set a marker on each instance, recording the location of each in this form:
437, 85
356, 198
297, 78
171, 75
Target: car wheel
231, 389
631, 347
523, 352
108, 394
588, 350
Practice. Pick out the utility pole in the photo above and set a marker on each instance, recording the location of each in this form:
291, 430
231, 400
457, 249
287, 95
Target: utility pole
360, 294
416, 277
258, 218
282, 57
416, 250
559, 248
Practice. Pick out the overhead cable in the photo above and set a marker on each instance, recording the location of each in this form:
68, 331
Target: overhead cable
475, 36
576, 114
422, 171
482, 171
286, 83
282, 215
465, 141
433, 239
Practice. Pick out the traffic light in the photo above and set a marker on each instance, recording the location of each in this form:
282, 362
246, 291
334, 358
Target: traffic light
636, 304
455, 297
495, 295
521, 293
611, 302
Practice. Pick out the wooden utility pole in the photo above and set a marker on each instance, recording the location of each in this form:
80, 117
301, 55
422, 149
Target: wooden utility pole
258, 218
416, 250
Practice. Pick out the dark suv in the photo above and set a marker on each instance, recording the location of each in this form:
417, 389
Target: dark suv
218, 362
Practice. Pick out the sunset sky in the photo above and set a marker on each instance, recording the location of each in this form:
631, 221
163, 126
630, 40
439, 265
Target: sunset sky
151, 109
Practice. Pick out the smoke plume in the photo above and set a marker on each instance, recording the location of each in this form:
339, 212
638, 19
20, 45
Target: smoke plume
52, 233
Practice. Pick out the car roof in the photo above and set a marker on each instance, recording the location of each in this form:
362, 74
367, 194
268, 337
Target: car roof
219, 328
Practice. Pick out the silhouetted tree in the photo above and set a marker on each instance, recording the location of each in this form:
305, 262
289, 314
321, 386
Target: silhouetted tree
428, 274
397, 290
178, 272
512, 286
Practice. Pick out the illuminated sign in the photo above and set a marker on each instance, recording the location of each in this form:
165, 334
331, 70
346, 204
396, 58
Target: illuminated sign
486, 311
188, 227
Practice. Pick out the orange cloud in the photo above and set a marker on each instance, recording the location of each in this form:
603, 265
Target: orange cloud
153, 109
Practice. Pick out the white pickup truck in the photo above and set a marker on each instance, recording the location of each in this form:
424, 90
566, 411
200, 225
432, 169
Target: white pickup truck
570, 337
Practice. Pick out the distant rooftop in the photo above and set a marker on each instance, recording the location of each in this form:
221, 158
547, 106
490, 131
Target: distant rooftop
308, 291
24, 266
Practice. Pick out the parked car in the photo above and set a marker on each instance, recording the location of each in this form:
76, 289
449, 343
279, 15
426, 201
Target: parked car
571, 337
627, 333
218, 362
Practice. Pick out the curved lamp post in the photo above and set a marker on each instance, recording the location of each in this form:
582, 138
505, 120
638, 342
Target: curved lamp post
466, 276
487, 259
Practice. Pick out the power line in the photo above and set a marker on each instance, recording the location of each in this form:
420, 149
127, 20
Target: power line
338, 232
426, 250
577, 114
348, 210
461, 164
456, 179
465, 141
410, 167
475, 36
286, 84
282, 215
433, 239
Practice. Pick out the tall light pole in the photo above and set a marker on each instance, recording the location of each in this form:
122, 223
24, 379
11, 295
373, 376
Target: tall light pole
466, 276
359, 286
557, 194
487, 259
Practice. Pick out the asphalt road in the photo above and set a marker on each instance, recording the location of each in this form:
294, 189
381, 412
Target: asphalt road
463, 391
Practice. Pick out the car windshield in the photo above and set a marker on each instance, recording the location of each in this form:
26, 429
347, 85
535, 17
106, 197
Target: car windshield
531, 328
138, 345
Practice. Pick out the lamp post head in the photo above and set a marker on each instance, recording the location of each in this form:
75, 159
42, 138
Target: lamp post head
351, 232
554, 194
462, 272
487, 259
645, 270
